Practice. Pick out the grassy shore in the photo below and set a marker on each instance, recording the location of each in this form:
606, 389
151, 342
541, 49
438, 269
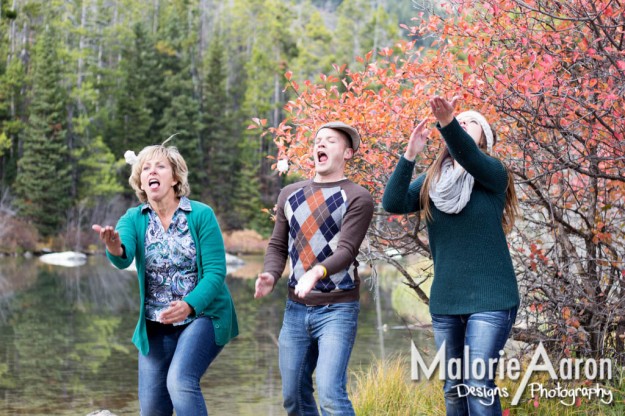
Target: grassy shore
386, 389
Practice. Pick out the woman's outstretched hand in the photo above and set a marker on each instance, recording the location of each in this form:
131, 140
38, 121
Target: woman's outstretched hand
110, 238
417, 141
443, 110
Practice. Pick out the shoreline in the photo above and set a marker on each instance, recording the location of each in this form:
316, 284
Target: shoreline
237, 243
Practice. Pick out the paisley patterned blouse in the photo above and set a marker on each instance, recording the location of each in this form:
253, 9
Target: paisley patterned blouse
170, 261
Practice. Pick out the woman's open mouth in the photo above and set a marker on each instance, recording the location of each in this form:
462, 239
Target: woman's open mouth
154, 183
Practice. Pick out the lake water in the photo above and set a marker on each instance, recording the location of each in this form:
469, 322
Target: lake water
65, 344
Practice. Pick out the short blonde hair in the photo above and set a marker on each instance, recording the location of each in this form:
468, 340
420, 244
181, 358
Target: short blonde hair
178, 166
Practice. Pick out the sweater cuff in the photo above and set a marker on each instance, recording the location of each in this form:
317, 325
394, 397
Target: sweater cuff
276, 277
193, 313
403, 159
453, 126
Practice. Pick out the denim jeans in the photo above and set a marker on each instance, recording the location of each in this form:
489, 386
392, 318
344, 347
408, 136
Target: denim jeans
169, 376
321, 338
484, 334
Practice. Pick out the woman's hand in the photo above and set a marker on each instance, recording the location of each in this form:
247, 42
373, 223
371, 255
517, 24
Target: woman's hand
177, 311
443, 110
110, 237
417, 141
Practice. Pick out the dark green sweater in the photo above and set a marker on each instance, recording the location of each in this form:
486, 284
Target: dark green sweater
472, 266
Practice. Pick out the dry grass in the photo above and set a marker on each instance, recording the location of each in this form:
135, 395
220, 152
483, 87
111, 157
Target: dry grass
386, 389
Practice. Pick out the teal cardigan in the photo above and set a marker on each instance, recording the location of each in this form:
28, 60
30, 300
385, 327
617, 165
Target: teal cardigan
211, 296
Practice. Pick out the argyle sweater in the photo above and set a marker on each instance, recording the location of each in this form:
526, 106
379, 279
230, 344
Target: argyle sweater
473, 271
320, 223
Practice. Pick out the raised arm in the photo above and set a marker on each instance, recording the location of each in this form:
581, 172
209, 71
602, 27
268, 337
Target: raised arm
400, 196
486, 170
120, 242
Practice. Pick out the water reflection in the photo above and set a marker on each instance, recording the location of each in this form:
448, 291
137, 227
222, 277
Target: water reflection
65, 347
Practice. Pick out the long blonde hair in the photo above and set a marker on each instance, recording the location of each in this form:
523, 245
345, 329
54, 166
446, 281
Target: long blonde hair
511, 207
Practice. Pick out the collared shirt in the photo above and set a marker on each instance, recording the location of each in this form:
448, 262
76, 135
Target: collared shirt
170, 260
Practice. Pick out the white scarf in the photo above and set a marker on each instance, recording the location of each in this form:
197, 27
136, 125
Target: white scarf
452, 191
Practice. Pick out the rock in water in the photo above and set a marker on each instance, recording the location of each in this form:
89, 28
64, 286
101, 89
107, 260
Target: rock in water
65, 258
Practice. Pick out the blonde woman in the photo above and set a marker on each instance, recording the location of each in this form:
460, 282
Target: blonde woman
186, 314
468, 200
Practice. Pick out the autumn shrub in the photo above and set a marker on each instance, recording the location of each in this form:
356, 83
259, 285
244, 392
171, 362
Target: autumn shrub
244, 242
16, 236
550, 76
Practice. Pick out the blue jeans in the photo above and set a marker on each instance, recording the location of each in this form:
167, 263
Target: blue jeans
321, 338
484, 334
169, 376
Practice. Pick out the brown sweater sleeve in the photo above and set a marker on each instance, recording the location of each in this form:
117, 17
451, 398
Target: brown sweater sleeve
278, 246
353, 228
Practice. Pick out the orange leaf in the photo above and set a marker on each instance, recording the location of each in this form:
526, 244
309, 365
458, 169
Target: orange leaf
566, 312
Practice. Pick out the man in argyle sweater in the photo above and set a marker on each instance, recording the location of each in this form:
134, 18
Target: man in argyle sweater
320, 224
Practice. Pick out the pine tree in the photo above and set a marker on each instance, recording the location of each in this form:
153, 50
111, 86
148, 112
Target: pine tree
43, 179
316, 48
351, 35
180, 118
12, 119
215, 127
273, 47
97, 166
223, 149
245, 197
132, 119
153, 78
181, 114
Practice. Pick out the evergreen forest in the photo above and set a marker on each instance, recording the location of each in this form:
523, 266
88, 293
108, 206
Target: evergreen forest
83, 81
